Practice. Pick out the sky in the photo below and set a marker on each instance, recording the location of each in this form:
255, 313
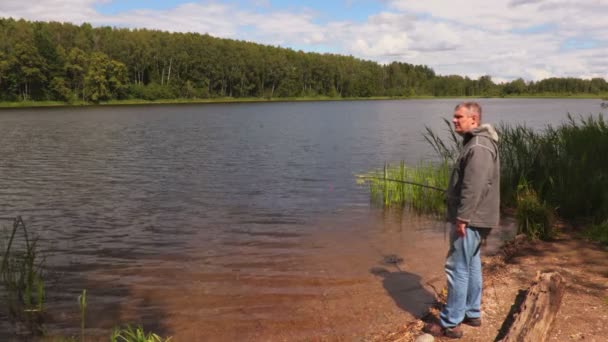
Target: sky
506, 39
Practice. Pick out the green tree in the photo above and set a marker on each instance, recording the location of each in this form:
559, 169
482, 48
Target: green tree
39, 60
28, 69
105, 78
517, 87
59, 89
75, 69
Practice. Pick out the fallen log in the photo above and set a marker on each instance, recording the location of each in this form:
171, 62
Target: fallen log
533, 320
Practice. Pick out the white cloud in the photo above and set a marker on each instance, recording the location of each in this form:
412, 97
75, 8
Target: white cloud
204, 18
47, 10
503, 38
387, 44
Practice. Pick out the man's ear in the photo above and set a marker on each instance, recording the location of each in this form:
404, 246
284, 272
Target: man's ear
476, 118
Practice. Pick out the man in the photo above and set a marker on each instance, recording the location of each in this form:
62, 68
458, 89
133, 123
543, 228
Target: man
473, 199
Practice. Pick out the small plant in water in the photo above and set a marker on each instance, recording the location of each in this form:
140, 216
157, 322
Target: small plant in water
137, 334
21, 276
82, 303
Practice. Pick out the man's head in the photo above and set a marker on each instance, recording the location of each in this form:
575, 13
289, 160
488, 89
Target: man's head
467, 116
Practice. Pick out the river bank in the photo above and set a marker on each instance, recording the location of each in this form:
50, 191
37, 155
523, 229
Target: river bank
131, 102
583, 314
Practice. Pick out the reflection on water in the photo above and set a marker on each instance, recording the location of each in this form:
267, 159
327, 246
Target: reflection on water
218, 221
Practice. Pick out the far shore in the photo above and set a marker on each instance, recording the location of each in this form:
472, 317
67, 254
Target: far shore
129, 102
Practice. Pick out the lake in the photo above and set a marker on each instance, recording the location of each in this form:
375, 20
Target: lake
232, 221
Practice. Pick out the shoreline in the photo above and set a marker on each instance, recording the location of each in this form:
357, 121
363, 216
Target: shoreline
513, 270
225, 100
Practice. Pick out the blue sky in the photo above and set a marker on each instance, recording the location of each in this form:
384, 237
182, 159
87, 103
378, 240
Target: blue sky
356, 10
505, 39
115, 7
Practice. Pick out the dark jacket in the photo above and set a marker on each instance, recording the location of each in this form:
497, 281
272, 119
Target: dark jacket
473, 194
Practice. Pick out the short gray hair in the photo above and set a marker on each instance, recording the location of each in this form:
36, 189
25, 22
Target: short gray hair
472, 107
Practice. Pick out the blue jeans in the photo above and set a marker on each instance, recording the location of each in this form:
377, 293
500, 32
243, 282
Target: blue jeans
463, 270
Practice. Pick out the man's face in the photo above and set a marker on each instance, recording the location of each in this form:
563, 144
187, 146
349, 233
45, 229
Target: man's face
463, 121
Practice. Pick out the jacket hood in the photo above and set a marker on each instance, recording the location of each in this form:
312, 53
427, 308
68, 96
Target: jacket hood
486, 130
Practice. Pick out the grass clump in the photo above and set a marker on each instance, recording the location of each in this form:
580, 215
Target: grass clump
534, 218
420, 188
598, 232
129, 333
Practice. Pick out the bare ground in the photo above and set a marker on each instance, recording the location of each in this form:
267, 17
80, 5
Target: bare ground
584, 311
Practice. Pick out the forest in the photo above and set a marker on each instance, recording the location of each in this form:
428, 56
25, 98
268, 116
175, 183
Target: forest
52, 61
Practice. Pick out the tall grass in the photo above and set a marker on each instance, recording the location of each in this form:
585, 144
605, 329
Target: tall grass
563, 164
420, 188
580, 181
447, 151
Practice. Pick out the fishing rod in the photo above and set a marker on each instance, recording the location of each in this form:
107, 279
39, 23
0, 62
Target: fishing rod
405, 182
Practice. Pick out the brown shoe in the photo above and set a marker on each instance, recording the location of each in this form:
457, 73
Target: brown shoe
474, 322
438, 331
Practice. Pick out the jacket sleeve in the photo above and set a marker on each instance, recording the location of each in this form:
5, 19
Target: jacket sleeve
476, 176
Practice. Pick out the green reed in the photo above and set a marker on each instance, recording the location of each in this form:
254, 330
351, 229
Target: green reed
419, 188
82, 304
21, 273
447, 151
129, 333
563, 164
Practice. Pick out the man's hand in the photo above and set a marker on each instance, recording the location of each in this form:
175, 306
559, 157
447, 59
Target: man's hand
461, 228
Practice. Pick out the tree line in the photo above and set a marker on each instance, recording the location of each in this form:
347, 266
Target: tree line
67, 62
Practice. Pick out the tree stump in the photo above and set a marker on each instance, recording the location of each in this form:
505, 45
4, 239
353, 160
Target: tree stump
537, 312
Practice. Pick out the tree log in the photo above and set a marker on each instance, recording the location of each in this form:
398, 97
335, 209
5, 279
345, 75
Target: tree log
537, 312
